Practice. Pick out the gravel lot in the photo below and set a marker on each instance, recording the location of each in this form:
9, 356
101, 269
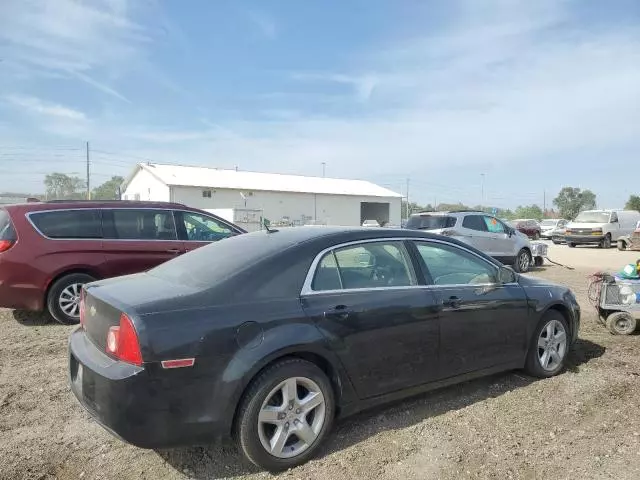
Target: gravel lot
581, 424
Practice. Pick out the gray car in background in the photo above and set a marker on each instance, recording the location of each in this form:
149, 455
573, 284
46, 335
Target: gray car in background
480, 230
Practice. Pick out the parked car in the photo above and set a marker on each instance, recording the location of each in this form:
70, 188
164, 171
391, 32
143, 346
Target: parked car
553, 229
49, 250
482, 231
601, 227
528, 226
294, 327
370, 223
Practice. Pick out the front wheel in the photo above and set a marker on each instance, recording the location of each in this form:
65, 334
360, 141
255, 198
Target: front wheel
536, 236
285, 415
538, 261
571, 245
606, 242
523, 261
63, 301
549, 346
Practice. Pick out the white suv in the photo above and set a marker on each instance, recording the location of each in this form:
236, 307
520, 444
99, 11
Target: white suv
480, 230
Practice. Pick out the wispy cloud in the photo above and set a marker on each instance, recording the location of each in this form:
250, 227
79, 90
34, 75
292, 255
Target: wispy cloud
74, 38
265, 23
35, 105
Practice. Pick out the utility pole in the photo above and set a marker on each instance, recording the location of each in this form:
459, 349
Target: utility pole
482, 175
324, 167
544, 203
408, 209
88, 175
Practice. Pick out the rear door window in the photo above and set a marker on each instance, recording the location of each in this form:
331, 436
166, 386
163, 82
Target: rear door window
141, 224
430, 222
68, 224
474, 222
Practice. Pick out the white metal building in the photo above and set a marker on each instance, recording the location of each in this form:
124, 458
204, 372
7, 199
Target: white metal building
291, 199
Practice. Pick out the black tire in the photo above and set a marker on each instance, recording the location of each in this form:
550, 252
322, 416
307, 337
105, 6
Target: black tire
555, 242
536, 236
533, 364
621, 323
56, 290
622, 245
571, 245
520, 265
247, 427
538, 261
606, 242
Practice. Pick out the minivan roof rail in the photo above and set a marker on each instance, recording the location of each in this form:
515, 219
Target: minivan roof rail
82, 200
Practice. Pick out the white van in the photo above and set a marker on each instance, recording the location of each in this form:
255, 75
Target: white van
601, 227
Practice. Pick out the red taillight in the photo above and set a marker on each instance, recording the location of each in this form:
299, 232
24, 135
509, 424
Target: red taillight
82, 308
5, 245
122, 342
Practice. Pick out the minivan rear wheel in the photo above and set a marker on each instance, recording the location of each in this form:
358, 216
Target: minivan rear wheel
63, 301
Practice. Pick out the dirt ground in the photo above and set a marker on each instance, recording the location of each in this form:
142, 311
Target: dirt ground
581, 424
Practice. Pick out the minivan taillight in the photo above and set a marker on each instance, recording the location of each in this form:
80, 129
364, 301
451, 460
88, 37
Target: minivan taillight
6, 245
82, 307
122, 342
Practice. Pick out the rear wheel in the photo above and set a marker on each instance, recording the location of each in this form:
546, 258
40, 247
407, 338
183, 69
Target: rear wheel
63, 301
285, 415
571, 245
523, 261
621, 323
622, 245
549, 346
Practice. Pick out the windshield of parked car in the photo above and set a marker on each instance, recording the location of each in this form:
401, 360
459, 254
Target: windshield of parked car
430, 222
593, 217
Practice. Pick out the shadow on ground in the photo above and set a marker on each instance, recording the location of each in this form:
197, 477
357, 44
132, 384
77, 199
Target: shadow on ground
225, 461
32, 319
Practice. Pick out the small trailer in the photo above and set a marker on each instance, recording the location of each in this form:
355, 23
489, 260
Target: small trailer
617, 301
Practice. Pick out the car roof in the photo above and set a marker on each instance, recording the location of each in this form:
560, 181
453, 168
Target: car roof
82, 204
289, 236
449, 212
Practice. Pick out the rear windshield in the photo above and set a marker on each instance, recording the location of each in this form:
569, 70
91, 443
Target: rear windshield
209, 265
430, 222
69, 224
6, 228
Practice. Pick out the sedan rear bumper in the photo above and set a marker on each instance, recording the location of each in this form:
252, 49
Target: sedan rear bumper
127, 401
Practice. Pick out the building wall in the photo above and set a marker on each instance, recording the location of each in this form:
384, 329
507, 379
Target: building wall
147, 187
303, 207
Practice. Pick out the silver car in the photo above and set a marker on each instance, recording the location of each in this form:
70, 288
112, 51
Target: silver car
480, 230
553, 228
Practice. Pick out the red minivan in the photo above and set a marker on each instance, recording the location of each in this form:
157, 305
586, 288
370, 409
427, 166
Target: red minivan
49, 250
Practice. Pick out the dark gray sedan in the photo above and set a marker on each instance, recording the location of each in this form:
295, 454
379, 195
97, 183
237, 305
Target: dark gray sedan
269, 336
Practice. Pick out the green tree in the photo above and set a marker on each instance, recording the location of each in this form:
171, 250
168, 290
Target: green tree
414, 207
633, 203
529, 211
571, 201
109, 190
60, 186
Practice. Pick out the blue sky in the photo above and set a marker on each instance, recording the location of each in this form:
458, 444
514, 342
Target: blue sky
534, 95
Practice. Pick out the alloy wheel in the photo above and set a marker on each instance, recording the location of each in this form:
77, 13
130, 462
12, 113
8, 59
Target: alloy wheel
523, 262
69, 300
291, 417
552, 345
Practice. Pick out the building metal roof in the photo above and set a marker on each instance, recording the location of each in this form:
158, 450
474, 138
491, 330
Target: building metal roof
203, 177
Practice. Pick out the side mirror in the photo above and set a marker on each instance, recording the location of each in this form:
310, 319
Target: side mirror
506, 275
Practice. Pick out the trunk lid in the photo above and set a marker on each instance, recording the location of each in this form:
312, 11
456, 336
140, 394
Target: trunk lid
135, 295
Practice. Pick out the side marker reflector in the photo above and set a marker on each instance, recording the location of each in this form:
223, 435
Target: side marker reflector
185, 362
